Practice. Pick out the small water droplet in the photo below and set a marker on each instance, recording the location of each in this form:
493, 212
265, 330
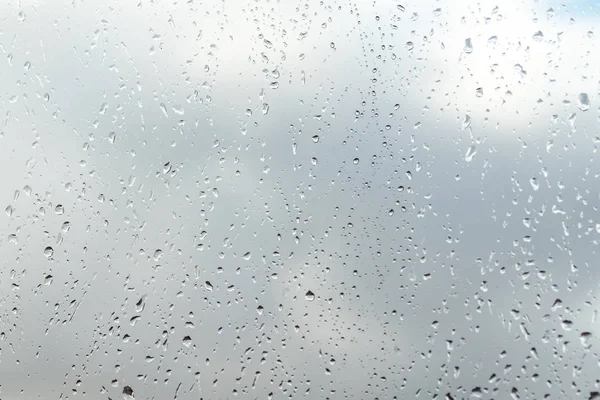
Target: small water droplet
567, 325
128, 393
468, 47
534, 184
179, 110
583, 101
538, 36
310, 296
471, 151
585, 338
157, 254
479, 92
163, 108
48, 251
466, 122
264, 109
315, 138
59, 209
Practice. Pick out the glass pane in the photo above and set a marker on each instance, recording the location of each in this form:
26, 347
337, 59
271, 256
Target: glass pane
299, 199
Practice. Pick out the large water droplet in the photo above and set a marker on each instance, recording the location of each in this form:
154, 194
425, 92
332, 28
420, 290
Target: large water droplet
310, 296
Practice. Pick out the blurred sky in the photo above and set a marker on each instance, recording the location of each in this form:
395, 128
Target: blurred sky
171, 169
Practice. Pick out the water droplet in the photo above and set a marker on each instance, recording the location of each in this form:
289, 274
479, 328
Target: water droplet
468, 47
356, 161
466, 122
410, 46
48, 251
471, 151
187, 341
585, 338
208, 286
111, 137
179, 110
310, 296
538, 36
260, 310
48, 280
583, 101
8, 210
479, 92
163, 108
59, 209
264, 109
315, 138
157, 254
567, 325
534, 184
139, 306
128, 393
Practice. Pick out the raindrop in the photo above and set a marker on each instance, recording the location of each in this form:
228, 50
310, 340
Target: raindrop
471, 151
59, 209
128, 393
264, 109
468, 47
585, 338
48, 251
315, 138
310, 296
584, 101
466, 122
567, 325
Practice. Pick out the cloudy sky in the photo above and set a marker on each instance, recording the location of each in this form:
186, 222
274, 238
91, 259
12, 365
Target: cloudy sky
303, 199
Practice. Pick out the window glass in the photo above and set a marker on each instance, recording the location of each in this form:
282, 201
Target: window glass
299, 199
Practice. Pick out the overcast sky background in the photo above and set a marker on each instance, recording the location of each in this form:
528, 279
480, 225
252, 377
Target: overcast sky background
428, 171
